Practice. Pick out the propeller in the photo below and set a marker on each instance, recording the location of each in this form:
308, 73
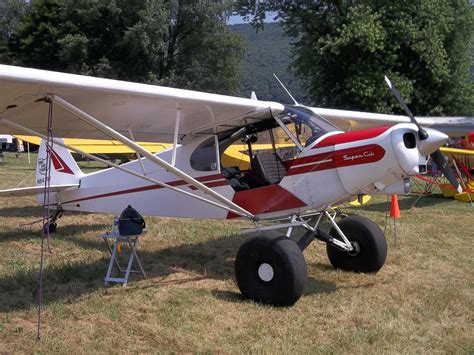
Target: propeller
440, 160
421, 131
437, 156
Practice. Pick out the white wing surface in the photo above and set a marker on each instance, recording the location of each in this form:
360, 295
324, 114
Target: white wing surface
150, 111
354, 121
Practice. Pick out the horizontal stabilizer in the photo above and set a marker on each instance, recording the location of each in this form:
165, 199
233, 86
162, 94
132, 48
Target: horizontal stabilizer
34, 190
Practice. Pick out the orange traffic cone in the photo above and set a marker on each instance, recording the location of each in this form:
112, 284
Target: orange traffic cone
394, 208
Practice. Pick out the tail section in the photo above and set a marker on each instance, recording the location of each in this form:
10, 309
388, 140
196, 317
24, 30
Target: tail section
64, 169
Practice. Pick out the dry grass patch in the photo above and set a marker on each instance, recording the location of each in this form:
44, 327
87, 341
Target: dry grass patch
421, 301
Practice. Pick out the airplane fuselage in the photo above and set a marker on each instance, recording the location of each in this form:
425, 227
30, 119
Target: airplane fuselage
332, 170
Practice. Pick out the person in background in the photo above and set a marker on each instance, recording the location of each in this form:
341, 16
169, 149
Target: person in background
20, 148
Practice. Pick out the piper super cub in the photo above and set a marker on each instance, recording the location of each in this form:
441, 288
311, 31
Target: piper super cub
320, 167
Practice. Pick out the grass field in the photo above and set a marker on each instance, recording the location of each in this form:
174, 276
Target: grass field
420, 302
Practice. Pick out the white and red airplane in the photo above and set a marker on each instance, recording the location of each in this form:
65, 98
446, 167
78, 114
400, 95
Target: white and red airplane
323, 167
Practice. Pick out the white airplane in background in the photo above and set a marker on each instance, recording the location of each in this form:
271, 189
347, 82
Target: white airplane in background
324, 166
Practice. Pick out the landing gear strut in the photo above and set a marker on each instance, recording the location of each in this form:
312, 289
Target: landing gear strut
369, 246
272, 270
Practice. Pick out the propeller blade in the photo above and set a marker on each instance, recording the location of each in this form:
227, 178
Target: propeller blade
443, 165
421, 132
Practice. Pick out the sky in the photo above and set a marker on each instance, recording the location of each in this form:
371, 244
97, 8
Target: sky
236, 20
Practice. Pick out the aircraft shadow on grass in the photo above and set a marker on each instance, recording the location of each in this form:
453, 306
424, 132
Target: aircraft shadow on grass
26, 211
31, 211
70, 232
213, 259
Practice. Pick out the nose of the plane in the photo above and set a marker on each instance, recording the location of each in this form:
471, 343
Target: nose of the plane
435, 140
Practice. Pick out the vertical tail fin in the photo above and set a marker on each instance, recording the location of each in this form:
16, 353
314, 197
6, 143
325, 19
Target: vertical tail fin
64, 169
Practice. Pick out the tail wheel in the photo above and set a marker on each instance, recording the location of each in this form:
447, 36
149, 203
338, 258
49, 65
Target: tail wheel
368, 240
50, 228
271, 270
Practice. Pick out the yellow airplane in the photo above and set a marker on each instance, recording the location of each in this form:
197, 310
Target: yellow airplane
235, 155
465, 158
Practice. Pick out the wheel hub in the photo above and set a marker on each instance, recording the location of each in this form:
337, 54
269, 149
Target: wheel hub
265, 272
355, 250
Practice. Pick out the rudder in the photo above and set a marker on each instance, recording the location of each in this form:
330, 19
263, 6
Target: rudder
64, 169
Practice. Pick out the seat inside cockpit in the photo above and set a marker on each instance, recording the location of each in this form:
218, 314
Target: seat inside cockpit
255, 158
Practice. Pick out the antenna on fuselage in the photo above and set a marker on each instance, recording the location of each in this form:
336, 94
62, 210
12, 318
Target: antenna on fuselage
284, 88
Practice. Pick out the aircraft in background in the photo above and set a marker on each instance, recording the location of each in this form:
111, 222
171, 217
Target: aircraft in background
321, 166
463, 162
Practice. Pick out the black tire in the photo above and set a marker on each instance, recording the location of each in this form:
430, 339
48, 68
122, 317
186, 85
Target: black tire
367, 236
52, 228
287, 263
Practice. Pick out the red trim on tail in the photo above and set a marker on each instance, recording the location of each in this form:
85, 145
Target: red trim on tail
59, 165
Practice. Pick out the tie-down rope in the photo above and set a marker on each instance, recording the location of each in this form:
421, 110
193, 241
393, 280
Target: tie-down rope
46, 213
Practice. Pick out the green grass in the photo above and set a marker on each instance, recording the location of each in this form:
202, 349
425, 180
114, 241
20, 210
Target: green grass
420, 302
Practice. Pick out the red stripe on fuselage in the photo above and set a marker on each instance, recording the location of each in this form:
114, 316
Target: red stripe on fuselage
156, 187
365, 154
213, 184
348, 137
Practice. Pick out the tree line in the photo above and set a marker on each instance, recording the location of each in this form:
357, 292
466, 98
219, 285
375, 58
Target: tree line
343, 48
340, 49
184, 44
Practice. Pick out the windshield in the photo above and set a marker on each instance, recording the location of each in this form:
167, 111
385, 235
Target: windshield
305, 125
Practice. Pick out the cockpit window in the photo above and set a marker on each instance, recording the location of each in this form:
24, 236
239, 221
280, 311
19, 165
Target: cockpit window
305, 125
255, 155
204, 158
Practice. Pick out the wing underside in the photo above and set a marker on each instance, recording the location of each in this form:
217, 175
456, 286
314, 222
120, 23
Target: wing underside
149, 111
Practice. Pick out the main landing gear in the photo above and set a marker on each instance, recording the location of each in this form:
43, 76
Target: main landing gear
272, 269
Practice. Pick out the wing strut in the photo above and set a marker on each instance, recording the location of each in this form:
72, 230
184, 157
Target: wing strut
118, 167
139, 157
146, 153
175, 138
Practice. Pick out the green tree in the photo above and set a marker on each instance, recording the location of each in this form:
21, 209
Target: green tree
268, 52
10, 13
343, 48
184, 44
37, 27
177, 43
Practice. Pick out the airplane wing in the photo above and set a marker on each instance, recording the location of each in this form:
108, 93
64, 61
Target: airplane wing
457, 151
99, 146
354, 121
150, 111
34, 190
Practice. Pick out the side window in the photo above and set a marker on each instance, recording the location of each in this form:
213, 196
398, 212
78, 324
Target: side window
204, 157
236, 155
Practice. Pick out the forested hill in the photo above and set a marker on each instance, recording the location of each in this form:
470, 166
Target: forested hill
268, 52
